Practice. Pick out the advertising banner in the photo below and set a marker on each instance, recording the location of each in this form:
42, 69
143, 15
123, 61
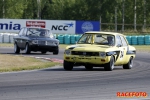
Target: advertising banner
61, 26
56, 26
84, 26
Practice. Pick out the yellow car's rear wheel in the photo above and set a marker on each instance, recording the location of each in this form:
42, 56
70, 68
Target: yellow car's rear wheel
129, 64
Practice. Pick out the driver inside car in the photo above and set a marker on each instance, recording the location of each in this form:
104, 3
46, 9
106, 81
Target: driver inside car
110, 40
42, 33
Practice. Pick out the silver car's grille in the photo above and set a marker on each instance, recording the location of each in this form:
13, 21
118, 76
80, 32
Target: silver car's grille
42, 42
49, 43
45, 42
82, 53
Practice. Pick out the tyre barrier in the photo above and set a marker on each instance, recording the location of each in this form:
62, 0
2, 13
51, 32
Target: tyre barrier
7, 37
1, 37
61, 39
129, 39
67, 39
72, 39
140, 40
147, 39
134, 40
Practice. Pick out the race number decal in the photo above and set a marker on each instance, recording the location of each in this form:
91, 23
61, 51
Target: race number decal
121, 55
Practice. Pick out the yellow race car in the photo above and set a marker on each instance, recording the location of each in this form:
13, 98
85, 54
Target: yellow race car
100, 49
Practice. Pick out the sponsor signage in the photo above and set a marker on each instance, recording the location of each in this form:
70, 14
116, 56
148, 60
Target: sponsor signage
56, 26
9, 26
62, 26
84, 26
36, 24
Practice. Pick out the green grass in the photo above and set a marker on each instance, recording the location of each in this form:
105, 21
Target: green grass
143, 48
19, 63
6, 44
63, 46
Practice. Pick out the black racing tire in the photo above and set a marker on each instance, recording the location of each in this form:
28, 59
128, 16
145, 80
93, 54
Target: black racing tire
43, 52
16, 48
27, 49
129, 65
88, 67
68, 65
55, 52
110, 65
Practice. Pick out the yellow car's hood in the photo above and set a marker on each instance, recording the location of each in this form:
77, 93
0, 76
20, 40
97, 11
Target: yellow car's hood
90, 47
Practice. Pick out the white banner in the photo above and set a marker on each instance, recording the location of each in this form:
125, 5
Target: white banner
56, 26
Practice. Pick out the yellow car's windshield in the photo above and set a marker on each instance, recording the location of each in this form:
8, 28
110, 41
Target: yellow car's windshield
99, 39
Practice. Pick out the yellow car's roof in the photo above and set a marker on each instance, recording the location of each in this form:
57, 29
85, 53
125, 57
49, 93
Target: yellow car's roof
100, 32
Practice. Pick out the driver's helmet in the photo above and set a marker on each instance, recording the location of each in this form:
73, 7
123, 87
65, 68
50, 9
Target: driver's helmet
42, 33
110, 40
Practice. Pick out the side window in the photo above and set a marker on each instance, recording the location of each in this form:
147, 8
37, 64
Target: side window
24, 32
21, 31
123, 41
118, 40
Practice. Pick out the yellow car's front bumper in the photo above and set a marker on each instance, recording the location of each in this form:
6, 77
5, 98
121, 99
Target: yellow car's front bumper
87, 59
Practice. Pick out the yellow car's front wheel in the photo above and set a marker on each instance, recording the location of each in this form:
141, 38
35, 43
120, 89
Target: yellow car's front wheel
110, 65
68, 65
88, 67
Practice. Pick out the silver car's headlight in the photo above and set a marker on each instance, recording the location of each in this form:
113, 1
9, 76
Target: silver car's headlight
102, 54
56, 43
67, 52
34, 41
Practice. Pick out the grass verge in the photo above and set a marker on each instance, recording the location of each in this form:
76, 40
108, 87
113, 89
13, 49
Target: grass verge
63, 46
10, 63
143, 48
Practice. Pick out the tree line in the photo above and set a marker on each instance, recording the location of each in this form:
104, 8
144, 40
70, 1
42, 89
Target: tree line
109, 11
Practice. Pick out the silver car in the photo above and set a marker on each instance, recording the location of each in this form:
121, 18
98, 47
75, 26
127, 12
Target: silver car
36, 39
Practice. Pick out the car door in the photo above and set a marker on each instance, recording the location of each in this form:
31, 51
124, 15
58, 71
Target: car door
125, 48
19, 38
24, 38
122, 49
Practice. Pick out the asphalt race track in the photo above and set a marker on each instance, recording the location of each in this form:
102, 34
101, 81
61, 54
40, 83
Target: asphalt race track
79, 84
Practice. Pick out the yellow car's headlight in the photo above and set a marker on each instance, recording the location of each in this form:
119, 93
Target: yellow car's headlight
67, 52
102, 54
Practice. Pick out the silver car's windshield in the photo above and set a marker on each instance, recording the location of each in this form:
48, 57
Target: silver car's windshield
100, 39
38, 32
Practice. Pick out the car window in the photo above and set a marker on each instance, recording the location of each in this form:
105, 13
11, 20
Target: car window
100, 39
21, 31
38, 32
123, 41
24, 32
118, 40
104, 39
86, 39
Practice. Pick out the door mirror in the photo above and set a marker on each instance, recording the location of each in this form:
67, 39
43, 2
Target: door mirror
119, 45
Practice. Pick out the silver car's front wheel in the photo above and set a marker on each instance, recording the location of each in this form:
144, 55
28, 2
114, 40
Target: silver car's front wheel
27, 49
16, 48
